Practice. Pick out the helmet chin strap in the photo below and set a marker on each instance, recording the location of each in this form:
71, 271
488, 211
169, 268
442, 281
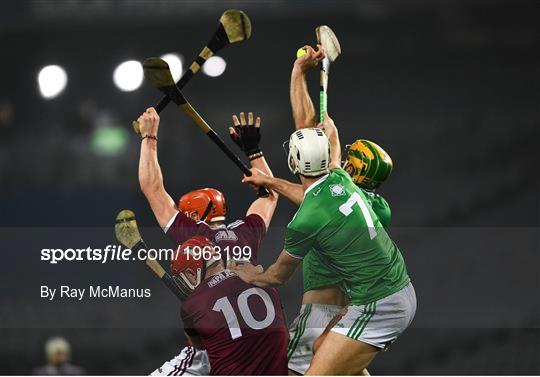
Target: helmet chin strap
207, 210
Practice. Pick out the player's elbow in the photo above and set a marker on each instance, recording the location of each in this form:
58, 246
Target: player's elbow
281, 279
145, 185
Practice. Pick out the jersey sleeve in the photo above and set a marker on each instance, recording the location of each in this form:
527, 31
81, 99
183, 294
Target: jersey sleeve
189, 326
382, 209
181, 228
252, 229
298, 243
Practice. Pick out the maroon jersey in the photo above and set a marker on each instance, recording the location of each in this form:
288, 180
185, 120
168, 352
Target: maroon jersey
247, 232
242, 327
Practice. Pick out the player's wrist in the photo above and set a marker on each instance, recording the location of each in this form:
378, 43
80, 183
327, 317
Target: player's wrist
254, 154
148, 136
299, 68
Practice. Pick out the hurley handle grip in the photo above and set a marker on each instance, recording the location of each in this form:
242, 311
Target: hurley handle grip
162, 104
159, 108
263, 192
323, 105
171, 284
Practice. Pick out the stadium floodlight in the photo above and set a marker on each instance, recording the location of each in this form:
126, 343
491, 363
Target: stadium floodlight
128, 76
52, 80
175, 64
215, 66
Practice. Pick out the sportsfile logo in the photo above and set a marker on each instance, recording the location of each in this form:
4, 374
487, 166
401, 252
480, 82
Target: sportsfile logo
110, 253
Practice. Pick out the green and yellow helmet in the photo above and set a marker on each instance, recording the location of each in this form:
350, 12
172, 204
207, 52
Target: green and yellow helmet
367, 164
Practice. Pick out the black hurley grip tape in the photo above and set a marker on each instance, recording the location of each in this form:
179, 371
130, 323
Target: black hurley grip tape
162, 104
185, 78
263, 192
139, 246
233, 157
219, 39
175, 288
200, 60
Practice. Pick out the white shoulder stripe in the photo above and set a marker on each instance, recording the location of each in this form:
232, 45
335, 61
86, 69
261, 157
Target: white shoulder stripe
237, 223
171, 221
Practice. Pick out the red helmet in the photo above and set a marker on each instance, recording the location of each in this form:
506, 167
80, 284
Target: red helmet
205, 204
193, 257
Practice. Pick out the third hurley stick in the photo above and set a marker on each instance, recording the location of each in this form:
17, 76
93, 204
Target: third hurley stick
127, 233
326, 38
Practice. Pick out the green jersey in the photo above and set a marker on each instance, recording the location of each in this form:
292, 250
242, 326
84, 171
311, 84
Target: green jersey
315, 271
335, 221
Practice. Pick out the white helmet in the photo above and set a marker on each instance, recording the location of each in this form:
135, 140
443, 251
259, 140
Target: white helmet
309, 152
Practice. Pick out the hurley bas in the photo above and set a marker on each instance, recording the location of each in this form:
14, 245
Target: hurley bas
97, 291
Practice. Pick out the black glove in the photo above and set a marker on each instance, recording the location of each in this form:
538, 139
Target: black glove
247, 137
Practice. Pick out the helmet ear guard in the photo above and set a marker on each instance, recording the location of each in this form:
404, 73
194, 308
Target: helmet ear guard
309, 152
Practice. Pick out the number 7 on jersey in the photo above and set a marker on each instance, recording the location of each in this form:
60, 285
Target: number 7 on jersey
346, 209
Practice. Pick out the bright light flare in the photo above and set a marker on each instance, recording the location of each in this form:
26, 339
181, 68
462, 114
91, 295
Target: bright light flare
175, 64
128, 76
52, 80
215, 66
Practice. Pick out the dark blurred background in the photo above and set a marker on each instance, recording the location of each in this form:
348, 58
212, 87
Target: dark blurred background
449, 88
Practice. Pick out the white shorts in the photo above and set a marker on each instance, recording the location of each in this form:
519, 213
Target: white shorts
379, 323
190, 362
303, 332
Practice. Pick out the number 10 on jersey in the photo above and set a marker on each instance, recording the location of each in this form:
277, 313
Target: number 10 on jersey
224, 306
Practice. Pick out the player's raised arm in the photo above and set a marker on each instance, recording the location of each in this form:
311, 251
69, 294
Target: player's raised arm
247, 135
277, 274
333, 138
302, 107
150, 176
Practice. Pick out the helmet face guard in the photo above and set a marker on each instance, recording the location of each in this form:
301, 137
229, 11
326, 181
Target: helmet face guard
193, 257
368, 164
290, 163
198, 276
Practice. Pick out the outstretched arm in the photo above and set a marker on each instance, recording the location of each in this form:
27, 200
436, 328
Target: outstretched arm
247, 136
277, 274
333, 137
302, 107
150, 176
292, 191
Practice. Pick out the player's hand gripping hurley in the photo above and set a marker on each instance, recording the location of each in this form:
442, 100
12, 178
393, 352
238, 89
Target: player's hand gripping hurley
234, 26
157, 72
332, 48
